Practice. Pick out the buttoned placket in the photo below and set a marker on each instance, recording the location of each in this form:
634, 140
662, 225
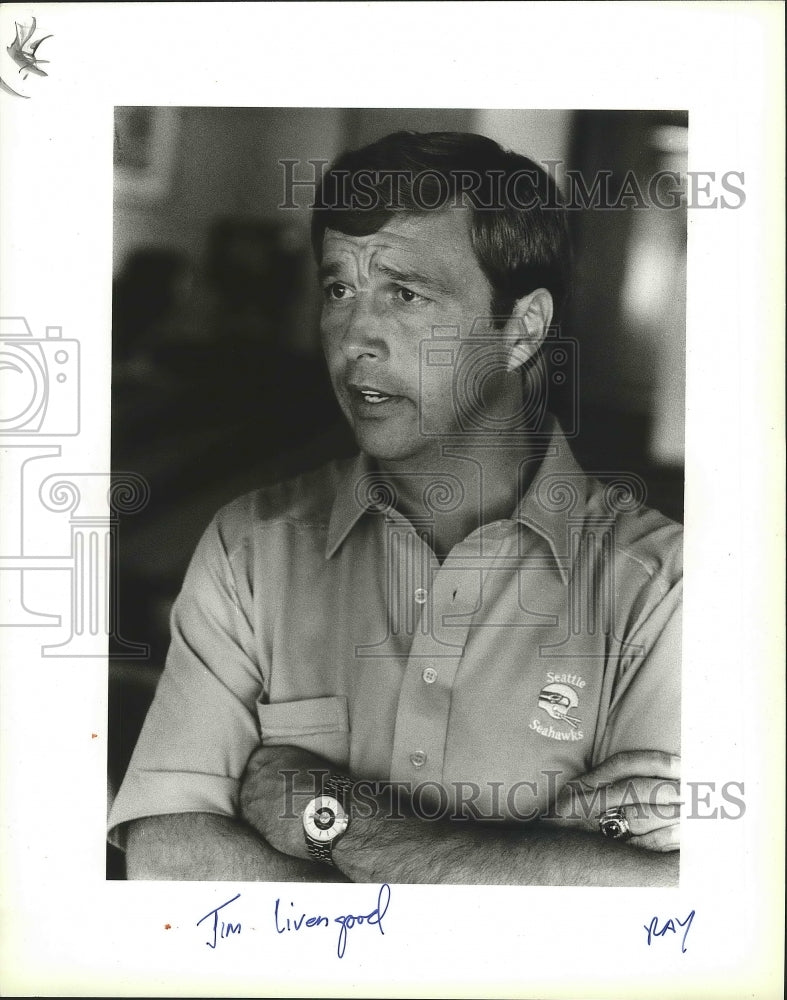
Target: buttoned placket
448, 599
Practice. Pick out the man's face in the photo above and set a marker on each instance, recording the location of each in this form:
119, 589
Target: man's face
382, 296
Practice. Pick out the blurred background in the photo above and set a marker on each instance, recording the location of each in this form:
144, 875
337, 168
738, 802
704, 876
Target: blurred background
218, 382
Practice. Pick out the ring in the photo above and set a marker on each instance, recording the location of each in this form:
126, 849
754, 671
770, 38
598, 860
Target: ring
613, 824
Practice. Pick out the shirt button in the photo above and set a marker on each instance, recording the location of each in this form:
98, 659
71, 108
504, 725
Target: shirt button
418, 759
420, 596
429, 675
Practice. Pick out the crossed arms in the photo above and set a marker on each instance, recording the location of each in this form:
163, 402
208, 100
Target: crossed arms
267, 843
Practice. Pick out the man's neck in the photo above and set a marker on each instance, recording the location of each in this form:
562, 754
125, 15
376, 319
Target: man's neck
461, 485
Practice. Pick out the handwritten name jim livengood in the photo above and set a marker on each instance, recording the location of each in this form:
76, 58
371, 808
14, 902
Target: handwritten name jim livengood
291, 922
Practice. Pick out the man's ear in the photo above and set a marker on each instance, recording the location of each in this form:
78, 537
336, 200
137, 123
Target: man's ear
527, 327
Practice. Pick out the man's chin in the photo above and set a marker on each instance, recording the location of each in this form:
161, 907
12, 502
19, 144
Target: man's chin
385, 446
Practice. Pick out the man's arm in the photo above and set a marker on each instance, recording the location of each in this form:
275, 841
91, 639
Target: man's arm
382, 846
204, 846
473, 854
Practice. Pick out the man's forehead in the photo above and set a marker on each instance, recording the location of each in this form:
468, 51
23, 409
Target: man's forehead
429, 236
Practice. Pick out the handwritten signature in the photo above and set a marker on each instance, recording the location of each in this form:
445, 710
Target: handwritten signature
226, 928
653, 931
221, 928
346, 922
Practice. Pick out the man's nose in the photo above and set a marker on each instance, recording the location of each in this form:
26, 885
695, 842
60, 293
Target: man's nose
364, 334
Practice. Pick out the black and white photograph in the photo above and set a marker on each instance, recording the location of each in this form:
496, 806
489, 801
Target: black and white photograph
392, 444
393, 335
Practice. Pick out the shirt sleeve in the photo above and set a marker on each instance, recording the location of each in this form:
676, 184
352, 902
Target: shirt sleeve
202, 725
644, 691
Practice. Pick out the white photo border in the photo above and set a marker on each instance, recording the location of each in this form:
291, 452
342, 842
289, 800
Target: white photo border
66, 930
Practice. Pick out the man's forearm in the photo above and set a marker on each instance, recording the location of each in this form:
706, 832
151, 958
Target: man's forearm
385, 844
203, 846
382, 849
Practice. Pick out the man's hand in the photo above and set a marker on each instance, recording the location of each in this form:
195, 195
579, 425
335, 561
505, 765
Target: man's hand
204, 846
645, 784
279, 781
276, 785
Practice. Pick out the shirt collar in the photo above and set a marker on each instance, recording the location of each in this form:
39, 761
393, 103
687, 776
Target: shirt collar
350, 502
559, 490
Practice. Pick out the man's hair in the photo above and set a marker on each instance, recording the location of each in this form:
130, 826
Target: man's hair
518, 231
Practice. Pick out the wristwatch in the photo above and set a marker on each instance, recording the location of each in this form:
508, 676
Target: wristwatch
326, 818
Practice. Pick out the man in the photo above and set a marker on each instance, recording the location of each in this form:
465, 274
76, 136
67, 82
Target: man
455, 659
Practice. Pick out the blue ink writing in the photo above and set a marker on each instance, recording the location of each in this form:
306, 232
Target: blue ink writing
652, 928
226, 929
375, 917
293, 922
296, 924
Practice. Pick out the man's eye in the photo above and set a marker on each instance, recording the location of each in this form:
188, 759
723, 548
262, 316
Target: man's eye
408, 295
337, 291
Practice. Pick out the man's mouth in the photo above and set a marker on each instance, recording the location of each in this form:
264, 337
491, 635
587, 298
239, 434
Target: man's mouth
372, 395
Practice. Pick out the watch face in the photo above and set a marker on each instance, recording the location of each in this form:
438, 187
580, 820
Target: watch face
324, 819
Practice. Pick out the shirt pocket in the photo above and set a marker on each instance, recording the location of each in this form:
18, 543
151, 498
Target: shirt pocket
319, 725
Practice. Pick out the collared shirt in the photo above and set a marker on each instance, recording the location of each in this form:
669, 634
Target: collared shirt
314, 614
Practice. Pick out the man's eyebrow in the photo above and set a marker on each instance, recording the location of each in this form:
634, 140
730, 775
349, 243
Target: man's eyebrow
412, 278
329, 269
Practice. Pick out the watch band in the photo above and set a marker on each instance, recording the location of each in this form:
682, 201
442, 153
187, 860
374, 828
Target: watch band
338, 787
320, 852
